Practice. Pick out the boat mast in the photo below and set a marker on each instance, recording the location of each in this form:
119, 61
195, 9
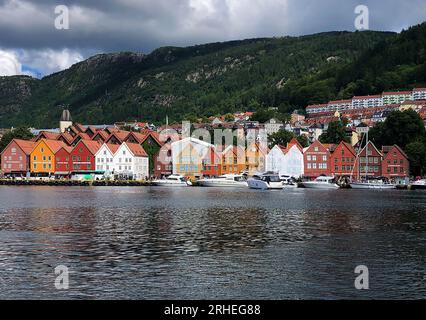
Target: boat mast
366, 159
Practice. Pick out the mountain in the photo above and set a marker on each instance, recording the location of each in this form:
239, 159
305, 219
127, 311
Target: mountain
204, 80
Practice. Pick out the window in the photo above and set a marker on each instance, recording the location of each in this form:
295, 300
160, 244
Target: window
35, 165
50, 158
88, 158
42, 150
309, 165
314, 158
324, 158
316, 149
13, 150
44, 158
309, 158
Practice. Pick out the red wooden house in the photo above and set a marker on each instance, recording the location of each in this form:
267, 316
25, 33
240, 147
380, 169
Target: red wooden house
317, 160
395, 164
83, 156
63, 162
344, 160
15, 158
370, 161
212, 164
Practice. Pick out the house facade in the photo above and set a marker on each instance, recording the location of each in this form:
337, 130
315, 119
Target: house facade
83, 156
370, 161
286, 160
105, 158
395, 164
131, 162
63, 162
317, 160
15, 158
42, 158
344, 162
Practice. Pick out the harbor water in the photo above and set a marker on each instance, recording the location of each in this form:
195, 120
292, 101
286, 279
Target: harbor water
201, 243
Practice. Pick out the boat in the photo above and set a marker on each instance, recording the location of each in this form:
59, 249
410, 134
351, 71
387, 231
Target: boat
369, 182
418, 185
322, 182
172, 181
266, 181
227, 180
373, 184
288, 181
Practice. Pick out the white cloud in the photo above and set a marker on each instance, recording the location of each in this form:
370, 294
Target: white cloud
9, 64
49, 61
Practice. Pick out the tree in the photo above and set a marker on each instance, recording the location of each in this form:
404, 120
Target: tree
416, 152
263, 116
335, 133
18, 133
282, 137
303, 140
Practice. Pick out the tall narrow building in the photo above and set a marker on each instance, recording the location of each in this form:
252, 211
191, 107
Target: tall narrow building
66, 120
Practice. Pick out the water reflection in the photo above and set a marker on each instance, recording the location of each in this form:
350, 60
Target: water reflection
208, 243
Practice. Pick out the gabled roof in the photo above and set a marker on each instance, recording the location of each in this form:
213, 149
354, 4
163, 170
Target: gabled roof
136, 149
67, 136
47, 135
295, 142
92, 146
387, 149
25, 145
53, 145
103, 134
66, 148
121, 136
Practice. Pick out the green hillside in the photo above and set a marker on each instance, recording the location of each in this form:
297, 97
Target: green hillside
206, 80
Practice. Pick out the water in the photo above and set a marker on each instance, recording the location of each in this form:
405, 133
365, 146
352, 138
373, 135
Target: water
195, 243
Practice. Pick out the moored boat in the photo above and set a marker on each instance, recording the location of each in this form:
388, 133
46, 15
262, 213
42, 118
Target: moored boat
227, 180
380, 184
321, 182
267, 181
172, 181
418, 185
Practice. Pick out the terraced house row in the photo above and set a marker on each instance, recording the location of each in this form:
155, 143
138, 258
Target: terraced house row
55, 158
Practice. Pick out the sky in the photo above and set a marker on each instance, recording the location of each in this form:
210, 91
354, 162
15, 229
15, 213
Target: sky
31, 42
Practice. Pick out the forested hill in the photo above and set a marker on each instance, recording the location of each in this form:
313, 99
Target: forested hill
218, 78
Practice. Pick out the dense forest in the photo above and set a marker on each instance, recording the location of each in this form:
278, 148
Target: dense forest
250, 75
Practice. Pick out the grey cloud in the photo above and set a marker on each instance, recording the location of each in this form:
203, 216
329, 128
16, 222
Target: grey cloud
143, 25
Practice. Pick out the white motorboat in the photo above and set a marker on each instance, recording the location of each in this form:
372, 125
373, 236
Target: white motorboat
372, 184
322, 182
418, 185
227, 180
172, 181
267, 181
288, 181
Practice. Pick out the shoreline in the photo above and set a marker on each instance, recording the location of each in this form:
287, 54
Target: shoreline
69, 183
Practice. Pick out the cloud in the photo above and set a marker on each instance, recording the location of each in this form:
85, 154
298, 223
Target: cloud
143, 25
9, 64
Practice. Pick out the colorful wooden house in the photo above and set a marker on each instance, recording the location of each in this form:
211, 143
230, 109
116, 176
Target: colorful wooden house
42, 158
395, 164
15, 158
344, 161
83, 156
370, 161
317, 160
63, 162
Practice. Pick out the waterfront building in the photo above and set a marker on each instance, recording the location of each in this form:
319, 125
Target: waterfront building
233, 160
131, 162
395, 164
317, 160
287, 160
188, 155
370, 161
344, 160
42, 157
256, 157
83, 156
63, 162
105, 158
15, 158
101, 136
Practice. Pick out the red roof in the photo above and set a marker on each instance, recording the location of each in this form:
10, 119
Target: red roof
397, 92
48, 135
367, 97
26, 146
419, 89
113, 147
137, 150
92, 146
54, 145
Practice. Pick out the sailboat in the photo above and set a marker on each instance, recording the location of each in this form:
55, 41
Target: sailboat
369, 182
